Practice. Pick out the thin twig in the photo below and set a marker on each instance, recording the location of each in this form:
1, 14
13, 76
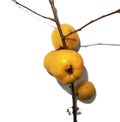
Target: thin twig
21, 5
57, 22
106, 15
97, 44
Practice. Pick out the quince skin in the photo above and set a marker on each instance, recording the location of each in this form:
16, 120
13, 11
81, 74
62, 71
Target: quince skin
47, 60
72, 41
85, 90
66, 66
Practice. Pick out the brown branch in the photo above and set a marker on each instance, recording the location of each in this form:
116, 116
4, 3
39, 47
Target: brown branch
64, 46
106, 15
57, 22
74, 103
21, 5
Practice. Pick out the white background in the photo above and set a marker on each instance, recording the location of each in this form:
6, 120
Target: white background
27, 92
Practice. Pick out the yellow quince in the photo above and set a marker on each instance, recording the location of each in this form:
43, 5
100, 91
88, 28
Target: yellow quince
47, 60
66, 66
85, 90
72, 41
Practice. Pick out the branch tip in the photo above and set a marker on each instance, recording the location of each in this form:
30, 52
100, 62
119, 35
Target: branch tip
23, 6
92, 21
118, 11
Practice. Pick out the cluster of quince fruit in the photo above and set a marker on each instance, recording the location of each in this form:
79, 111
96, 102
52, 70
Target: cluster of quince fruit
67, 65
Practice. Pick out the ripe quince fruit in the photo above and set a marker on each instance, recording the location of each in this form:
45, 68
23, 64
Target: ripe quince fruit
85, 90
66, 66
72, 41
47, 60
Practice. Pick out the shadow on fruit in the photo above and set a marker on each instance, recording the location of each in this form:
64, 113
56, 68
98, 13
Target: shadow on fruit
78, 47
89, 100
67, 87
84, 77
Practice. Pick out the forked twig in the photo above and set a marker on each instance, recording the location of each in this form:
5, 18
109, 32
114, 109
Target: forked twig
56, 20
55, 13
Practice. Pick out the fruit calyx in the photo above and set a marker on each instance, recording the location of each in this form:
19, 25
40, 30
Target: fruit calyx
69, 70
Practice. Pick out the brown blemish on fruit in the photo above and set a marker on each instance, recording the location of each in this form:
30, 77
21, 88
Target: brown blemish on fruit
69, 70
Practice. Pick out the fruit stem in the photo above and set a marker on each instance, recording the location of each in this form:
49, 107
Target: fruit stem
74, 103
54, 10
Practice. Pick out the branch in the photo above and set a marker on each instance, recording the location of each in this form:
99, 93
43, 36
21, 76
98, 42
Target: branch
64, 46
74, 103
57, 22
21, 5
106, 15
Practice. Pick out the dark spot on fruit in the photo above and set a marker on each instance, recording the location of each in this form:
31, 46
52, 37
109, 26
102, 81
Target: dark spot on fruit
69, 70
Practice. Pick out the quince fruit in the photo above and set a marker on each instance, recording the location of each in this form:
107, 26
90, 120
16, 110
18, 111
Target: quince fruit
85, 90
72, 41
66, 66
47, 60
